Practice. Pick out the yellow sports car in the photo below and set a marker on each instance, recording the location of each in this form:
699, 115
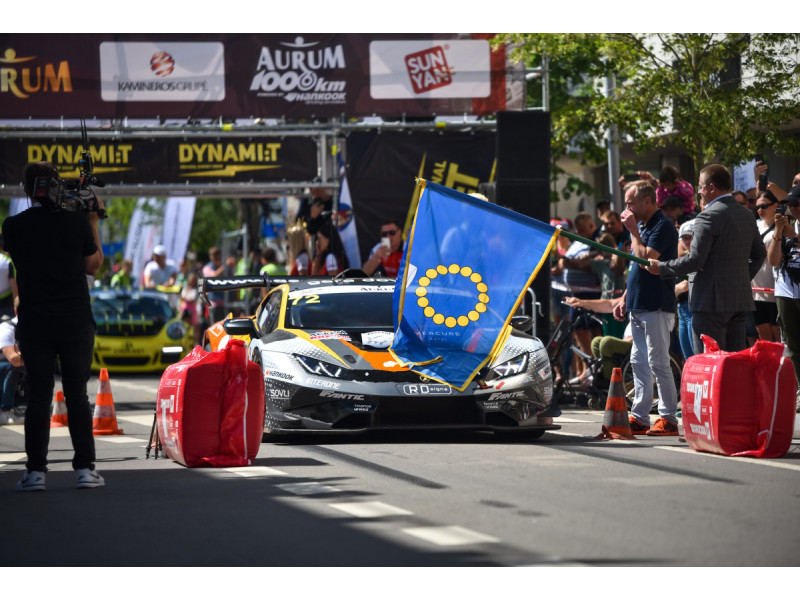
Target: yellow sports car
137, 331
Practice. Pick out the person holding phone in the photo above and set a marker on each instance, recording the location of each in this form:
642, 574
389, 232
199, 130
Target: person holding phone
784, 255
387, 254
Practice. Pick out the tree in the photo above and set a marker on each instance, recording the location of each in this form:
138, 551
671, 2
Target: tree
719, 96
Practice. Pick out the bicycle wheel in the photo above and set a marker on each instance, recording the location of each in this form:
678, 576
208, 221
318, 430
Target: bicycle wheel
627, 381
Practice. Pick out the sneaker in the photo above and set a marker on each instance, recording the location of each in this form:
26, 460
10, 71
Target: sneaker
6, 417
636, 427
88, 478
18, 414
32, 481
582, 382
663, 427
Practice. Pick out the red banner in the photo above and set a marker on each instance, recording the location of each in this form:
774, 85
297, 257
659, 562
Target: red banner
242, 76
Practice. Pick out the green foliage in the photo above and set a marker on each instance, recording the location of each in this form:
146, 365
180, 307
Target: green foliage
720, 96
211, 217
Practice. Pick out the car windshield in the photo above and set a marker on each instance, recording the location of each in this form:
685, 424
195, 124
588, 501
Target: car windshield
362, 310
112, 306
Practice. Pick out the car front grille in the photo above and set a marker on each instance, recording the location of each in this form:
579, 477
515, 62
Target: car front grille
126, 361
138, 329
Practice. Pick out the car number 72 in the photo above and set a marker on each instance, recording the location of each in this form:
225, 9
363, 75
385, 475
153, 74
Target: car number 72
310, 299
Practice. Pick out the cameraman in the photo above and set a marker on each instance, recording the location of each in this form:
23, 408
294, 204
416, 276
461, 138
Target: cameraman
784, 254
53, 251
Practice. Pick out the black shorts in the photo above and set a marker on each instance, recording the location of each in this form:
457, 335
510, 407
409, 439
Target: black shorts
766, 312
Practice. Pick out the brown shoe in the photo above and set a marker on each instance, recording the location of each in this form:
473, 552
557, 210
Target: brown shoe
636, 427
663, 427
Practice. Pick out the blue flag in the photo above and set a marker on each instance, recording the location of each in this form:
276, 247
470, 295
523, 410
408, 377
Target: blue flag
466, 267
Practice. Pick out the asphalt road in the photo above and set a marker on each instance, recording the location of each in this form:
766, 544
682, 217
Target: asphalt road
406, 499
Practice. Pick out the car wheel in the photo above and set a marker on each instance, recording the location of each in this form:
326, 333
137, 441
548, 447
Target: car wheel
627, 382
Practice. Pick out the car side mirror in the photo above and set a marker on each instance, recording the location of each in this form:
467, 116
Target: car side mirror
521, 322
241, 326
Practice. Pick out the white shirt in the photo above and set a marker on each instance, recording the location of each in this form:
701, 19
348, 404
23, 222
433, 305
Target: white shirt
5, 271
160, 276
8, 331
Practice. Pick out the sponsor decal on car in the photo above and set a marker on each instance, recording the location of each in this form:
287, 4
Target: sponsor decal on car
329, 335
341, 396
521, 395
278, 393
323, 383
278, 375
425, 389
377, 339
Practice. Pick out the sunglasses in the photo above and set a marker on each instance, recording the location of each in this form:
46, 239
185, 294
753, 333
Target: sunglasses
389, 232
763, 206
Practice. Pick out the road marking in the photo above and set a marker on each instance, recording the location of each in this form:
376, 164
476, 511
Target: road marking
122, 439
570, 420
750, 459
309, 488
370, 510
450, 536
135, 386
564, 433
7, 458
653, 480
138, 419
254, 471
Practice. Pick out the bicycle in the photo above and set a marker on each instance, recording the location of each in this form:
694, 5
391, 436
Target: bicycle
582, 394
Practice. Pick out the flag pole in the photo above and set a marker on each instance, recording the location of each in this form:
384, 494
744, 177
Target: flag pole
576, 238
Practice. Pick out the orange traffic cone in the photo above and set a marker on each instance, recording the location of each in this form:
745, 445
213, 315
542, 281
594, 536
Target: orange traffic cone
616, 425
59, 418
105, 419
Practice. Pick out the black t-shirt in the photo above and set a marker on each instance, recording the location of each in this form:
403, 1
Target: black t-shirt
48, 249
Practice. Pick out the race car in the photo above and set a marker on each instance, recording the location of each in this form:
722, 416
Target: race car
322, 344
137, 331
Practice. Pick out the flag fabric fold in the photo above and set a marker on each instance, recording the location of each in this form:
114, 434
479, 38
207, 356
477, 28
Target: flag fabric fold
466, 267
345, 219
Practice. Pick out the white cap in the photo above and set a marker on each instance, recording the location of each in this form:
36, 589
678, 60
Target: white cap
160, 250
687, 228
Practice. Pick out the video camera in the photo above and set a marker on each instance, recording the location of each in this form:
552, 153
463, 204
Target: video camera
72, 194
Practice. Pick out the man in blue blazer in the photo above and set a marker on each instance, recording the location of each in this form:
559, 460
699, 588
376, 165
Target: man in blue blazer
725, 255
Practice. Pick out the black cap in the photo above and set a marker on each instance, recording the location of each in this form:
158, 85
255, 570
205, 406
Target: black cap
794, 194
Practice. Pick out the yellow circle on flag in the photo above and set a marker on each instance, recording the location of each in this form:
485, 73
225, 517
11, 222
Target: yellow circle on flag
452, 321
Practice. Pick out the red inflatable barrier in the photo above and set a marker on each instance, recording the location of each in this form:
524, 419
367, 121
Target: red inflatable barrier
211, 408
739, 403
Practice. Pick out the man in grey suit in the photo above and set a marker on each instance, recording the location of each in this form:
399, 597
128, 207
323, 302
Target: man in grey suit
725, 255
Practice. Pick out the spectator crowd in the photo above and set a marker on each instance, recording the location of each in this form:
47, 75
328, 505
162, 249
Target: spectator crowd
726, 267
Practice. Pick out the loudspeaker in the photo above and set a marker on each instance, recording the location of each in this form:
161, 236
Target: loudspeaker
528, 197
523, 145
523, 185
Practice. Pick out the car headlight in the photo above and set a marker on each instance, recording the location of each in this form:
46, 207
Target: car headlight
515, 366
176, 330
319, 367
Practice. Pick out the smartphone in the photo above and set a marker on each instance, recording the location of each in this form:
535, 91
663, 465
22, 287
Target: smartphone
385, 241
763, 179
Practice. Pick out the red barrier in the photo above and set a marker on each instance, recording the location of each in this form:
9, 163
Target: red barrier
739, 403
211, 408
